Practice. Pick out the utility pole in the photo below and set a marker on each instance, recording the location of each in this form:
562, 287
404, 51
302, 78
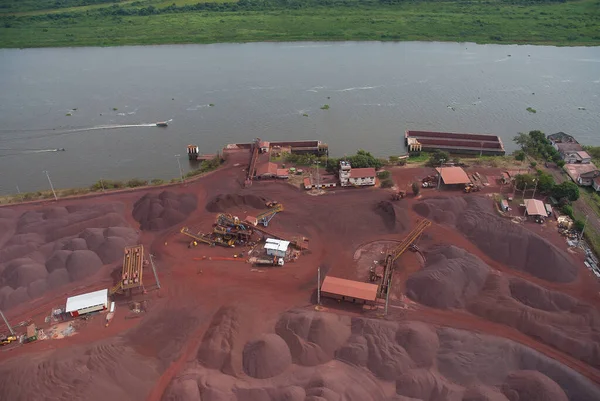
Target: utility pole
319, 285
51, 186
102, 184
481, 150
19, 192
318, 183
582, 230
440, 176
154, 270
534, 188
525, 201
7, 324
180, 170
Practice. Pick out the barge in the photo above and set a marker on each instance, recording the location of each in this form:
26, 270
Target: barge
299, 147
481, 144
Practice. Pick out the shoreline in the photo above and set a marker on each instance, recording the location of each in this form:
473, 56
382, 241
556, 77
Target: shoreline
232, 22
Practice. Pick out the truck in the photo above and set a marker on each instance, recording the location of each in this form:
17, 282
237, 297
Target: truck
267, 261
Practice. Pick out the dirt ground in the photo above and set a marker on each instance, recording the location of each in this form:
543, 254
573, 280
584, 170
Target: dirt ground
488, 309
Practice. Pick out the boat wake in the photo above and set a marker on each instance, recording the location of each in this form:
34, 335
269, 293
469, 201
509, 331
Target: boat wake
16, 152
111, 126
15, 135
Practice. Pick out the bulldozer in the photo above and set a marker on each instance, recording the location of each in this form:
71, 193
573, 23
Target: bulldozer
5, 340
399, 195
472, 188
271, 203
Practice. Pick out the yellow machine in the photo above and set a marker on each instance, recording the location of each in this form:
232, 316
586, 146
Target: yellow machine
131, 275
5, 340
394, 254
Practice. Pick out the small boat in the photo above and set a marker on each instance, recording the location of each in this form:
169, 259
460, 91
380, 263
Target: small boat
162, 124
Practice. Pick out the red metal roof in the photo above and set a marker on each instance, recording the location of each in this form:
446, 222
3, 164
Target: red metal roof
282, 172
307, 182
362, 172
267, 168
453, 175
535, 207
349, 288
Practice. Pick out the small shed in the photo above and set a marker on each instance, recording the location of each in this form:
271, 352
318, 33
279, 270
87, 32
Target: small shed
535, 207
87, 303
264, 146
277, 247
349, 290
504, 205
283, 173
453, 175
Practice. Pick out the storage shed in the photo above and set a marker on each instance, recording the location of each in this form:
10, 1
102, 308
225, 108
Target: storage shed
535, 208
87, 303
349, 290
277, 247
453, 175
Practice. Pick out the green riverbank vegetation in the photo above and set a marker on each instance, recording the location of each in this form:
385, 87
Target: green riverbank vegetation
108, 185
55, 23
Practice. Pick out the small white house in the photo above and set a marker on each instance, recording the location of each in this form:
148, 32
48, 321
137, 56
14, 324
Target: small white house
87, 303
276, 247
356, 176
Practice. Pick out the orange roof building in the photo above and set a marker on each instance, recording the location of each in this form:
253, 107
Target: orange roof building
349, 290
267, 170
453, 175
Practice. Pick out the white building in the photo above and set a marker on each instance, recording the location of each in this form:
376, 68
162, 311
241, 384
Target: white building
356, 176
87, 303
276, 247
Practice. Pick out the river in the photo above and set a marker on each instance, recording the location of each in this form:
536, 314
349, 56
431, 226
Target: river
274, 91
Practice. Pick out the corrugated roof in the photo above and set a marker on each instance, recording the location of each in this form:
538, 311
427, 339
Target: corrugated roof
362, 172
583, 154
535, 207
87, 300
565, 147
282, 172
307, 182
453, 175
575, 170
267, 168
349, 288
277, 244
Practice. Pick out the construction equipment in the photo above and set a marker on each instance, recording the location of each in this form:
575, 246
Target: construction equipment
470, 187
399, 195
265, 217
226, 219
267, 261
7, 339
429, 181
131, 273
197, 237
272, 203
394, 254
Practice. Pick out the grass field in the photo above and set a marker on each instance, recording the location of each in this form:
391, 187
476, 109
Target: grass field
570, 23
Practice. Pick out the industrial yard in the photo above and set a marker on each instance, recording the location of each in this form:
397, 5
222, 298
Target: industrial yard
243, 288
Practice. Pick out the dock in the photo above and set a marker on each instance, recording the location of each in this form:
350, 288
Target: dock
481, 144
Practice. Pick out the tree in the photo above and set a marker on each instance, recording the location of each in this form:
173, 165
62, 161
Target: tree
545, 183
568, 210
382, 175
363, 159
524, 180
520, 155
387, 183
533, 164
566, 189
416, 188
524, 141
436, 158
579, 224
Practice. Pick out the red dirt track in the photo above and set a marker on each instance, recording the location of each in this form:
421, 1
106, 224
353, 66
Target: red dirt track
470, 318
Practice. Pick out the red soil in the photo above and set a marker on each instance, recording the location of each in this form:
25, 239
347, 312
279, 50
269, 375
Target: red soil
223, 330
